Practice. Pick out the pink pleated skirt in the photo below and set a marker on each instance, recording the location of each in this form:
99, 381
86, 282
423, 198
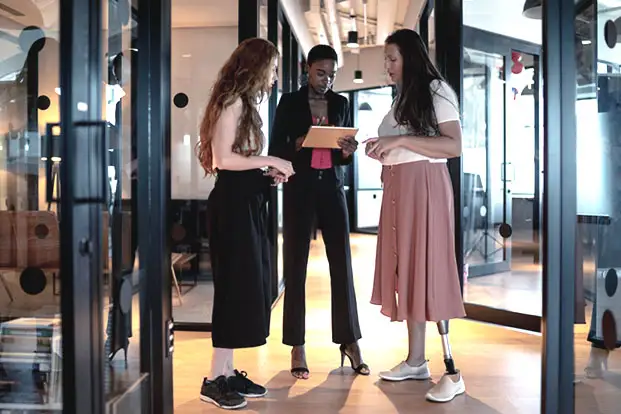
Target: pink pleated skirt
415, 269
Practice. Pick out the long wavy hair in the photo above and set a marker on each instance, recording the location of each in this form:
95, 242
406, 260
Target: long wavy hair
244, 76
414, 105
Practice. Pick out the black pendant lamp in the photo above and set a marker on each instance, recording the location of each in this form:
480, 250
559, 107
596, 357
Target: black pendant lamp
532, 9
358, 77
352, 39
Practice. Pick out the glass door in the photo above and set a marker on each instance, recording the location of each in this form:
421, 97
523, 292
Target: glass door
125, 382
502, 180
31, 232
371, 105
487, 175
102, 288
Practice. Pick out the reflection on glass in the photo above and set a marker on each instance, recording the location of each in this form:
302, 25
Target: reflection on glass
502, 183
121, 316
199, 48
483, 140
30, 285
598, 275
373, 105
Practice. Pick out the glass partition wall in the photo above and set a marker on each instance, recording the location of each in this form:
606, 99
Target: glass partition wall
501, 175
370, 107
597, 333
203, 35
535, 186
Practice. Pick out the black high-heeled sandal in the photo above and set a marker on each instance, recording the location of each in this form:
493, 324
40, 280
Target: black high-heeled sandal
362, 369
299, 372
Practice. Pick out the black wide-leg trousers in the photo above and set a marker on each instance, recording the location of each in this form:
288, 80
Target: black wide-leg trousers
307, 201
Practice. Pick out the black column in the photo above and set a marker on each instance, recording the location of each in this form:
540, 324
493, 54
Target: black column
286, 55
153, 148
295, 63
424, 21
247, 19
449, 58
559, 206
81, 177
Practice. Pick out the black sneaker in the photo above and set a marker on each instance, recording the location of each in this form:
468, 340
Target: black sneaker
245, 387
221, 395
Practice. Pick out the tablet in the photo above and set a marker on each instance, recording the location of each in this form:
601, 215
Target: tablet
326, 136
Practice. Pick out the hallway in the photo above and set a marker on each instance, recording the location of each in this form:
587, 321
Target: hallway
501, 367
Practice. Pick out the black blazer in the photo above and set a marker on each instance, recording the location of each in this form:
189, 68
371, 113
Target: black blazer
293, 119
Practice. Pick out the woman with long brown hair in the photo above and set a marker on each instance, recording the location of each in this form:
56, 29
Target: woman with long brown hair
416, 277
230, 147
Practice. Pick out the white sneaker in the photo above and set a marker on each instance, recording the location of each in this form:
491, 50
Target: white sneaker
598, 363
403, 372
447, 388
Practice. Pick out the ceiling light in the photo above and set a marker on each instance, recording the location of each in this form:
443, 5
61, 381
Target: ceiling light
352, 39
358, 77
532, 9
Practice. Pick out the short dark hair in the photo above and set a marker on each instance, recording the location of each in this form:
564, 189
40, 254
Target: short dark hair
321, 52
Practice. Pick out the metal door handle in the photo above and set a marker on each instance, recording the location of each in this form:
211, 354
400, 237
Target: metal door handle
96, 192
49, 161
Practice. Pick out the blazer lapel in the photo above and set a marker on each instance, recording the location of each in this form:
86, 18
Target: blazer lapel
304, 105
334, 115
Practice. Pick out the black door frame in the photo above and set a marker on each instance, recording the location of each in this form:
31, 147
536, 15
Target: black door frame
153, 150
559, 207
80, 227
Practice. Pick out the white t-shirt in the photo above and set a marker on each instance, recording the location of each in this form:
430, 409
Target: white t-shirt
446, 108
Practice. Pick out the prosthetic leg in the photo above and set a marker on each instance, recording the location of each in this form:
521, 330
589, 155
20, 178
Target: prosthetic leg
451, 384
443, 329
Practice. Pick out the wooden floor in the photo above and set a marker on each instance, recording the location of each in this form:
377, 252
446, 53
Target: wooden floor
501, 367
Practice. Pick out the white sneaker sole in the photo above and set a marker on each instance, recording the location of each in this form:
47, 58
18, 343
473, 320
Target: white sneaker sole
229, 407
417, 377
253, 395
458, 391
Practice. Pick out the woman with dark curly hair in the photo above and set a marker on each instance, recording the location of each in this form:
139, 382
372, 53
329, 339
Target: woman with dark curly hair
230, 147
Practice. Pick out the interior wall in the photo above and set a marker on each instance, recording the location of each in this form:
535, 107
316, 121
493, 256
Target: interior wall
197, 55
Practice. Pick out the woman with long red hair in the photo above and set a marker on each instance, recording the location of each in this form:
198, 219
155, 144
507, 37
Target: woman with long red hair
230, 147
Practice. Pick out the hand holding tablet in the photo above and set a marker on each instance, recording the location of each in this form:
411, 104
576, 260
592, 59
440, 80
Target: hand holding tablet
330, 137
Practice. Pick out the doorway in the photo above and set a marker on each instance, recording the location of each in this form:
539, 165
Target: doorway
502, 183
